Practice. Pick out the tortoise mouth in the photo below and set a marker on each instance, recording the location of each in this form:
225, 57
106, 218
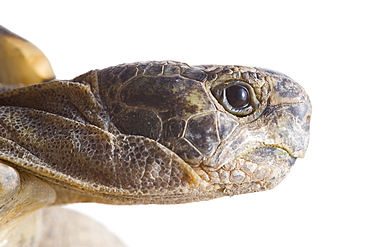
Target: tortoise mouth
251, 171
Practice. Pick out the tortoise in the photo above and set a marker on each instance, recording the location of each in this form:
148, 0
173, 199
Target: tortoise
158, 132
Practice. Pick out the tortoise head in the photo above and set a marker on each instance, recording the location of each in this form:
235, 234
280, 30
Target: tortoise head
158, 132
155, 132
240, 128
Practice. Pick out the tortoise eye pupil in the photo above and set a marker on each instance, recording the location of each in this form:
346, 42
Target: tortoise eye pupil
237, 96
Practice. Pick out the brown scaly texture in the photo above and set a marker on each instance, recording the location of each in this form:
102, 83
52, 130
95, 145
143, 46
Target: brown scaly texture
157, 132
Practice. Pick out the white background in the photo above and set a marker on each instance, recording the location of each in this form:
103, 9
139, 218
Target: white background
324, 45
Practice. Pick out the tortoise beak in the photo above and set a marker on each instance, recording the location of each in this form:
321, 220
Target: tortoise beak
289, 112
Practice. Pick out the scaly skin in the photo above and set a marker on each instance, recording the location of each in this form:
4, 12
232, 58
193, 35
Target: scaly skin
156, 132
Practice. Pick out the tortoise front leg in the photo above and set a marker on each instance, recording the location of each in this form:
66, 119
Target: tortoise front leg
21, 195
26, 222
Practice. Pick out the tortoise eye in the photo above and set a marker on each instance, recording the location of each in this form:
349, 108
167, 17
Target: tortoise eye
237, 96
